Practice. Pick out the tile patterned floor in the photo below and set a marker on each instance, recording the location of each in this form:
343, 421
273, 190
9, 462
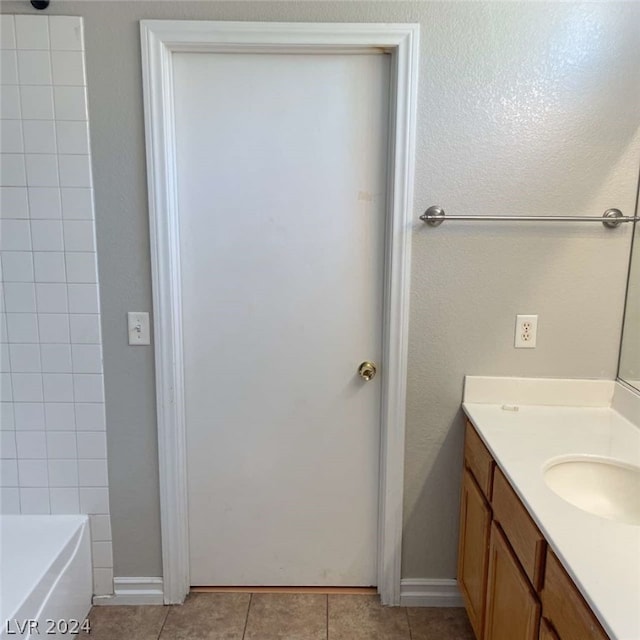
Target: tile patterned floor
278, 616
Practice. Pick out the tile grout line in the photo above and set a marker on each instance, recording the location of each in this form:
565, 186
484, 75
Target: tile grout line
327, 617
406, 611
164, 622
246, 620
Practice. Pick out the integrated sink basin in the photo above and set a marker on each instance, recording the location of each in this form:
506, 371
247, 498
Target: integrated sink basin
602, 486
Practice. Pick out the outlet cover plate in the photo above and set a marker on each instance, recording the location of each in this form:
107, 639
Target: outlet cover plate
526, 334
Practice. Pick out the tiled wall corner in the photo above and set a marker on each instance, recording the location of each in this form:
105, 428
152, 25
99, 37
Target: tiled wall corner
52, 422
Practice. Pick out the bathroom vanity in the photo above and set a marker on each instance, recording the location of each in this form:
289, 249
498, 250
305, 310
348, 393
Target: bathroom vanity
532, 565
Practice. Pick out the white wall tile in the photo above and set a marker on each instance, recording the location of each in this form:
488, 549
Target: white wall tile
34, 67
94, 500
22, 327
8, 445
77, 204
46, 235
59, 416
70, 103
39, 136
36, 102
29, 416
85, 329
4, 334
8, 67
6, 416
4, 357
27, 387
63, 473
19, 297
9, 473
56, 358
7, 32
93, 473
34, 501
87, 387
54, 328
49, 266
62, 445
11, 136
81, 267
25, 358
12, 170
15, 235
6, 390
58, 387
51, 297
101, 554
17, 266
78, 235
10, 102
32, 32
68, 68
83, 298
73, 137
92, 444
44, 203
31, 445
75, 171
10, 503
33, 473
42, 170
13, 202
66, 33
90, 416
64, 500
87, 358
100, 528
102, 582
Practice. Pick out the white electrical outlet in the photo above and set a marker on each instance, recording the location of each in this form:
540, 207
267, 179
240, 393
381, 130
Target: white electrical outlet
526, 332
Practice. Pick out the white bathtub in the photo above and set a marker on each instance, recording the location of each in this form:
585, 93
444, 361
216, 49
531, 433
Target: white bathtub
45, 575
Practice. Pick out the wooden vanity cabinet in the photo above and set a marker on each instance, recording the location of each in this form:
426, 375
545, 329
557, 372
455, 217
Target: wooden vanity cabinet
475, 522
565, 607
512, 608
513, 586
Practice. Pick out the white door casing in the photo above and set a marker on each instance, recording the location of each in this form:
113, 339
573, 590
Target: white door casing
160, 39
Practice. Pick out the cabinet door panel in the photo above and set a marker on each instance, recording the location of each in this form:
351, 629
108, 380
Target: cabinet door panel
512, 610
475, 520
546, 631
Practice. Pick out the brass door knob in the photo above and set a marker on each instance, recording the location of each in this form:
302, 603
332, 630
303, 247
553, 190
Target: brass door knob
367, 370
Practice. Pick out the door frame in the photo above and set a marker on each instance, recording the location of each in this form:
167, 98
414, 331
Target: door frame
159, 40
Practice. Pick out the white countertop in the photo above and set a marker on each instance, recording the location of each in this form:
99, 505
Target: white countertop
602, 556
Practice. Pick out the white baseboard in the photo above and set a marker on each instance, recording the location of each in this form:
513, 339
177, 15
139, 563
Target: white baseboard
429, 592
133, 591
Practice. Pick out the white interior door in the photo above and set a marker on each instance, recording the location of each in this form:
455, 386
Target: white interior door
281, 171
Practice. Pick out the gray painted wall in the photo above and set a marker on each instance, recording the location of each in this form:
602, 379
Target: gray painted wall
523, 108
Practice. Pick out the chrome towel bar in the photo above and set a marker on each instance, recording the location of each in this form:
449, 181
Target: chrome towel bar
611, 218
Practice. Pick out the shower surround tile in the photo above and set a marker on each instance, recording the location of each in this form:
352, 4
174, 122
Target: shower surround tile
53, 426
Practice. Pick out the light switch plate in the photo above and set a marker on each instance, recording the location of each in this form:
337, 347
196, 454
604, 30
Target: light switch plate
138, 328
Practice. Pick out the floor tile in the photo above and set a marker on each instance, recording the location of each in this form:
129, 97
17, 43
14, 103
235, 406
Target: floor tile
208, 616
287, 616
363, 617
439, 624
125, 622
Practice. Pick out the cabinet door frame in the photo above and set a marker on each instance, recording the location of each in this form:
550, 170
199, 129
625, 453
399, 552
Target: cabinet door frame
499, 548
470, 489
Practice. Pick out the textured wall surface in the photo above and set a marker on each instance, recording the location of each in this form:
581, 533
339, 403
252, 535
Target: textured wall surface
524, 108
